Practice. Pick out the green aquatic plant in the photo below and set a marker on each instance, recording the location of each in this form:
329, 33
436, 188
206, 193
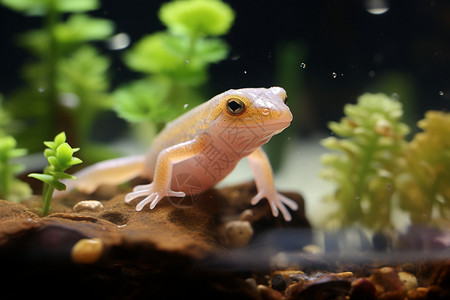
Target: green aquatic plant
365, 164
66, 81
175, 61
11, 188
60, 157
423, 187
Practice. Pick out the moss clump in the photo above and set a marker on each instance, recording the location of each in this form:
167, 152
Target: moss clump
365, 164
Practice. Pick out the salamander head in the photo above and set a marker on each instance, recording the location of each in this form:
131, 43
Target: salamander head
254, 113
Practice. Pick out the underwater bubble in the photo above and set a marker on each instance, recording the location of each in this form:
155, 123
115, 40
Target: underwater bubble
395, 96
265, 111
334, 74
235, 57
119, 41
185, 106
376, 7
187, 61
303, 65
372, 74
69, 100
245, 71
41, 89
441, 93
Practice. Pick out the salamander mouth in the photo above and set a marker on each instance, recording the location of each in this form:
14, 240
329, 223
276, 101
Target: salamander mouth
277, 127
267, 129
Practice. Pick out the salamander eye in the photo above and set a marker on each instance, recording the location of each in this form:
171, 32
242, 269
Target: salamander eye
285, 100
235, 106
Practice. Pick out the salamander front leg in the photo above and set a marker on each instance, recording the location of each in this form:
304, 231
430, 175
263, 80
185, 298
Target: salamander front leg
262, 171
162, 179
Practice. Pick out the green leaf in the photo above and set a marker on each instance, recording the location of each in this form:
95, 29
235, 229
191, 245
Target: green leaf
84, 70
197, 17
210, 50
76, 6
18, 152
49, 152
42, 177
59, 185
82, 28
42, 7
53, 161
36, 40
32, 7
141, 101
59, 139
51, 145
64, 155
153, 54
75, 161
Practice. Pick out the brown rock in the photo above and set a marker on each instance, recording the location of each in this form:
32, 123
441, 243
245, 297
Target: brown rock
141, 252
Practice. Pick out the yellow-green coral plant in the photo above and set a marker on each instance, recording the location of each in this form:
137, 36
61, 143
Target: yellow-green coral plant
60, 157
365, 164
424, 186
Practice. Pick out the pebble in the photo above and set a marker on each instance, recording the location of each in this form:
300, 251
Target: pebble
363, 289
418, 293
268, 293
87, 251
409, 280
252, 283
236, 233
92, 205
312, 249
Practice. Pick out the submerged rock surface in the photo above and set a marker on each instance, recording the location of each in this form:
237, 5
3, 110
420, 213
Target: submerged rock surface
97, 249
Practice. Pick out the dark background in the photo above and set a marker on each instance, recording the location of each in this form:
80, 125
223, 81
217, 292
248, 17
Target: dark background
404, 51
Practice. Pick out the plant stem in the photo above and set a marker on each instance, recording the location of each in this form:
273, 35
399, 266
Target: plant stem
47, 198
52, 61
5, 179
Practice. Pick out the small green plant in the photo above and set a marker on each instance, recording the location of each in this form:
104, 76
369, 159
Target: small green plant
66, 80
366, 162
174, 62
60, 157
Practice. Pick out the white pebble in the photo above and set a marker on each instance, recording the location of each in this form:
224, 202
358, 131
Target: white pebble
92, 205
